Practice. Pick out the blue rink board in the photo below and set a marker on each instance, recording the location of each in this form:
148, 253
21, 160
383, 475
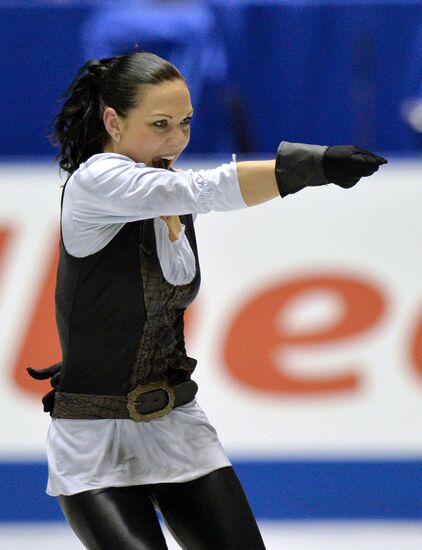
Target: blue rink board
277, 490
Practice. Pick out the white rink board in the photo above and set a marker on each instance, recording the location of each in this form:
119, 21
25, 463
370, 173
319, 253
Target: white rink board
371, 232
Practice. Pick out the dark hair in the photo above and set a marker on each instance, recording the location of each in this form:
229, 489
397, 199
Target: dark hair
79, 130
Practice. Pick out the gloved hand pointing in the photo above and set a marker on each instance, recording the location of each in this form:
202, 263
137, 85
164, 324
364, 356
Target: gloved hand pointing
344, 165
300, 165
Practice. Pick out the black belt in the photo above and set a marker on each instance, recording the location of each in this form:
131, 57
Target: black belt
156, 399
146, 402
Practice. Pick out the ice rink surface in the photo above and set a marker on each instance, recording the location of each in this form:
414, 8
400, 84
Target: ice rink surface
277, 536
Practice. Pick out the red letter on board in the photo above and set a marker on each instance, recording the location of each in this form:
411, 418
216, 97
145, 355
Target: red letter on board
40, 346
255, 337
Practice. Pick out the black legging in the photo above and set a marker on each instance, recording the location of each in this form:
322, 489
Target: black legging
209, 513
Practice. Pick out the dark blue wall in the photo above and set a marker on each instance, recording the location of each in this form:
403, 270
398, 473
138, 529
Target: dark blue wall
318, 72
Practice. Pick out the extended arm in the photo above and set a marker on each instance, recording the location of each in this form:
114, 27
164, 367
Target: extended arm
113, 189
299, 165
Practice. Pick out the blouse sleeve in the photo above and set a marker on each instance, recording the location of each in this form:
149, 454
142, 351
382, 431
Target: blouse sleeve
113, 189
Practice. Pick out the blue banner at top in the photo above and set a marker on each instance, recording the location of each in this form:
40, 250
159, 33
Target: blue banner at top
259, 72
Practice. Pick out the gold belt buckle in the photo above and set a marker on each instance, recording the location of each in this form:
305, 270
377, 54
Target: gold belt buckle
146, 388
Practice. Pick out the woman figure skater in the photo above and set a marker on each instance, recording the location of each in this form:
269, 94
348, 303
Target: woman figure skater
127, 437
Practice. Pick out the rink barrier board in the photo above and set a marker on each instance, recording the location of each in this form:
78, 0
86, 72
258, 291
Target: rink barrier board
277, 490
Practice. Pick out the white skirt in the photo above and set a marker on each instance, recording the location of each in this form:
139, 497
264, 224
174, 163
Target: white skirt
93, 454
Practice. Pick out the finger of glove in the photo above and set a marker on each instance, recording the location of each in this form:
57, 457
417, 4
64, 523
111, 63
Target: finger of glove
48, 401
362, 165
40, 374
339, 163
55, 380
377, 158
43, 374
337, 152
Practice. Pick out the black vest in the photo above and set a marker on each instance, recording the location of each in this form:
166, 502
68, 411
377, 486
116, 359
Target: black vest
120, 322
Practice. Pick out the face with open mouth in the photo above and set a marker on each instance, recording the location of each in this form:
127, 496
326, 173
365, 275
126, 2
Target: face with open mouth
157, 130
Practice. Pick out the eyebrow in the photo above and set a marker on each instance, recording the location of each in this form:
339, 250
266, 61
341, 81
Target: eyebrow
168, 116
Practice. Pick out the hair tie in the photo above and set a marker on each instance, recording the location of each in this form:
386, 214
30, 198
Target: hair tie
96, 68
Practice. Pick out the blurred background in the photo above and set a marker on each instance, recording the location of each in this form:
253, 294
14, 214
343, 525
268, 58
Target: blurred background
308, 326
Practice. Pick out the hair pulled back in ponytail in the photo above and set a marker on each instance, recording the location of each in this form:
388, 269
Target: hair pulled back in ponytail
79, 130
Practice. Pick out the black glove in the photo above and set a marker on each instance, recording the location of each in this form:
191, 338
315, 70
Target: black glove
52, 372
300, 165
344, 165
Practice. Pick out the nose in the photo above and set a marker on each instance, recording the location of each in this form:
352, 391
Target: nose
179, 137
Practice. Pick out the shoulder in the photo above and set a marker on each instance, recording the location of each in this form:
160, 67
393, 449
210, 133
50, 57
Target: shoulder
105, 173
104, 165
105, 159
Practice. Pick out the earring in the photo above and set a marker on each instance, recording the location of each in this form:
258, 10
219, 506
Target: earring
117, 137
